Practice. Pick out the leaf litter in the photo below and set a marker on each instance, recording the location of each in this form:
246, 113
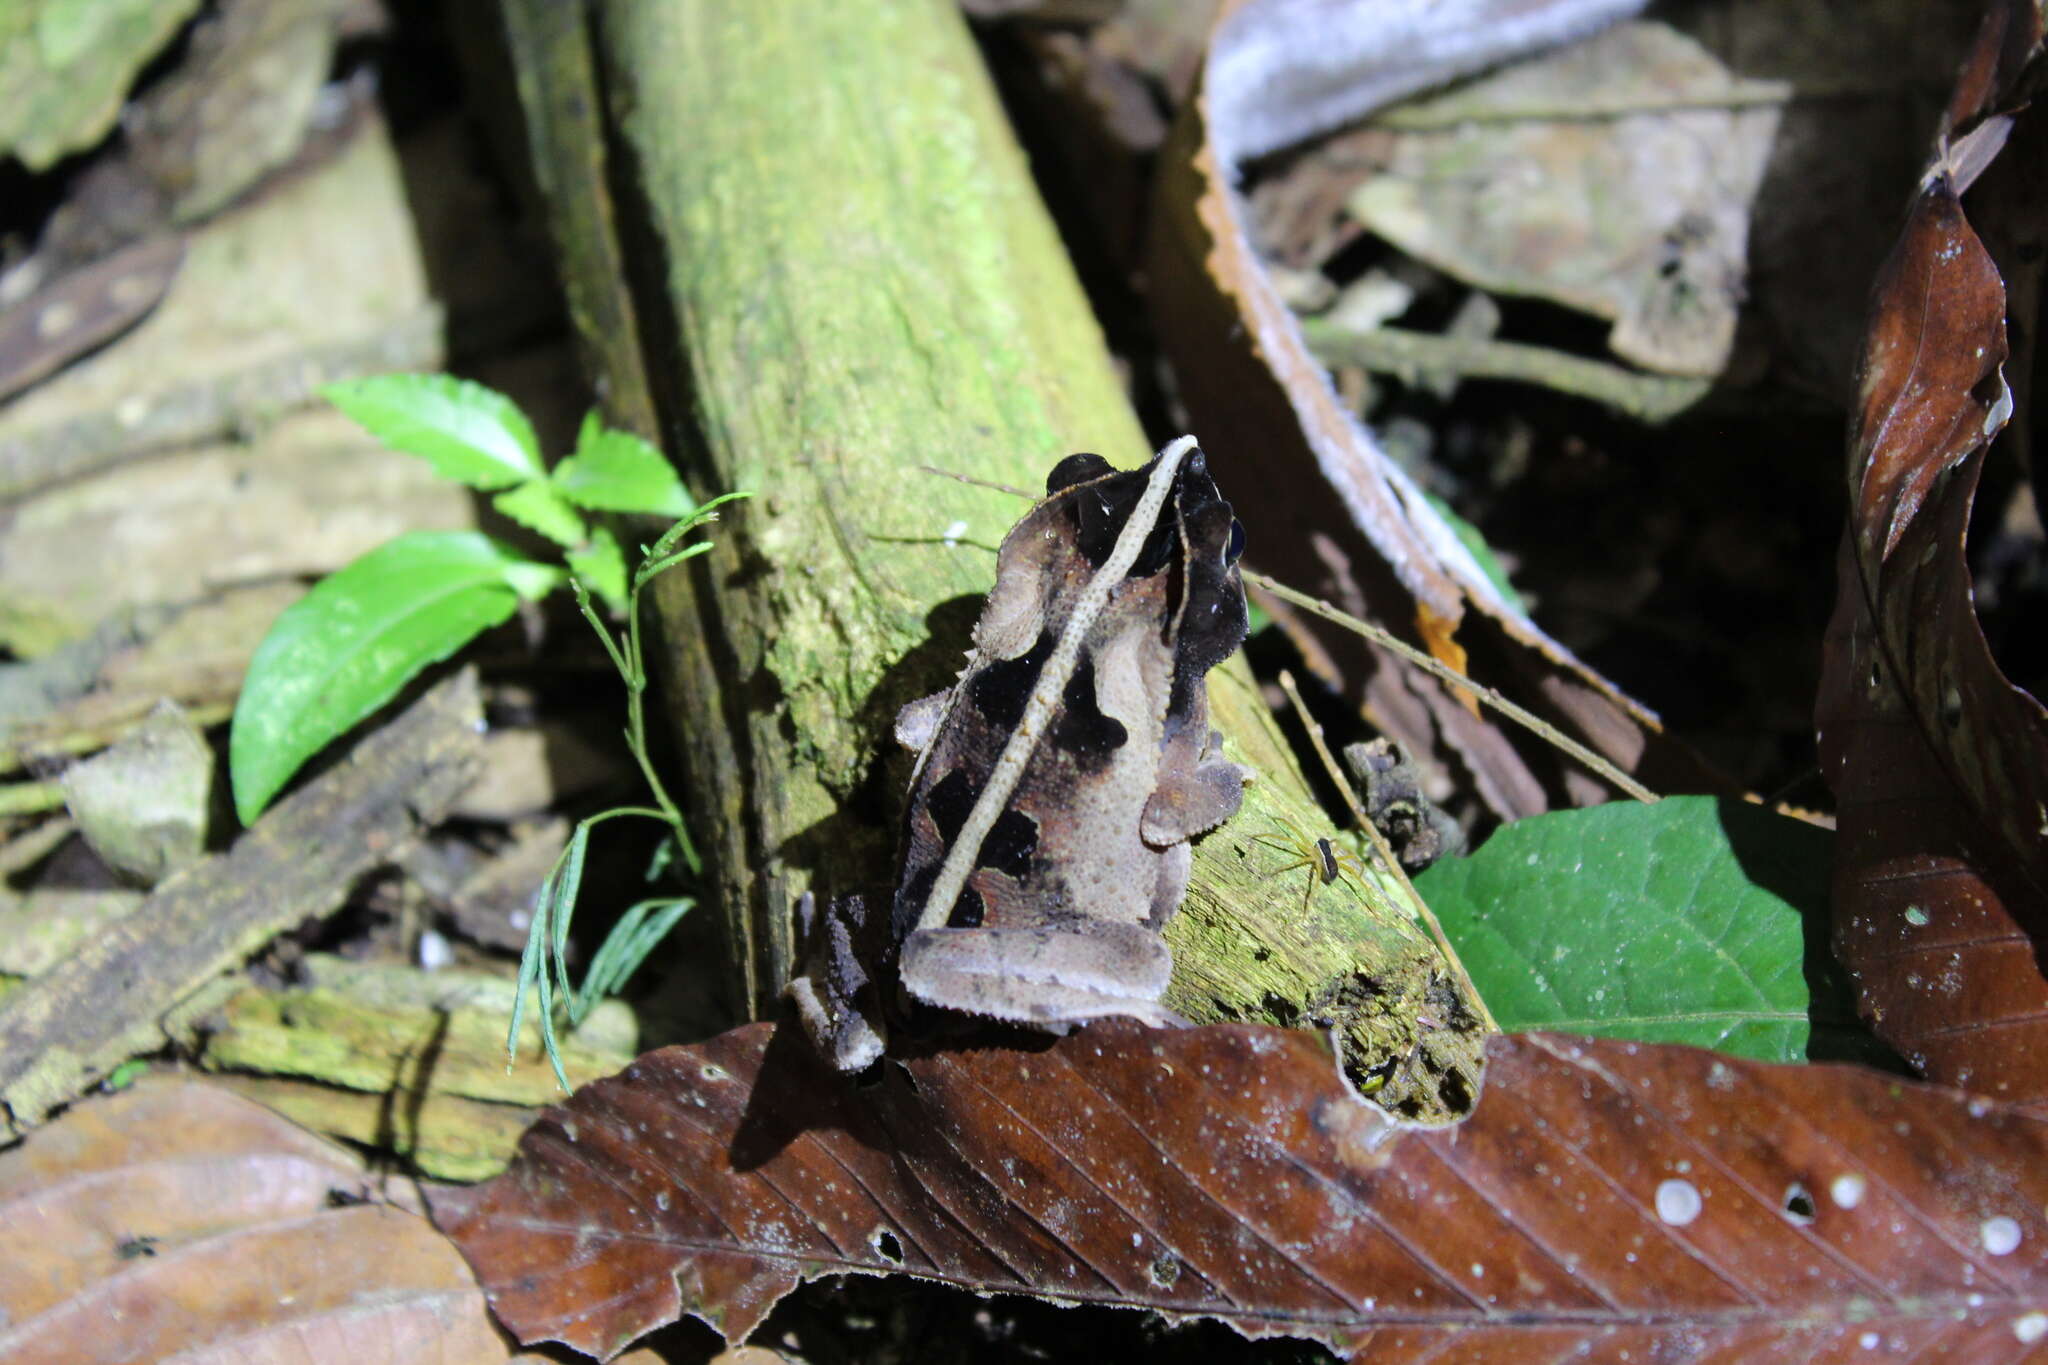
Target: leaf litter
1966, 1285
1939, 763
177, 1222
1604, 1197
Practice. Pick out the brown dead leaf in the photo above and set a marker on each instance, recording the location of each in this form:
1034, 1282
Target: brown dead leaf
176, 1222
1339, 517
1605, 1200
84, 309
106, 998
1614, 176
1939, 763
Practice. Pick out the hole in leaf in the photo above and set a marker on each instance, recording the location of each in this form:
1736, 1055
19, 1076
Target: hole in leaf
1163, 1271
1798, 1204
1951, 705
886, 1246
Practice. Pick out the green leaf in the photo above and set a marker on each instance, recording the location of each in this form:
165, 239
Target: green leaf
541, 965
602, 566
123, 1076
639, 931
616, 471
465, 431
363, 632
1469, 536
1693, 920
538, 507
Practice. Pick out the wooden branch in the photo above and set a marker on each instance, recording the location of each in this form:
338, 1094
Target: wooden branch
65, 1029
556, 73
1413, 356
209, 408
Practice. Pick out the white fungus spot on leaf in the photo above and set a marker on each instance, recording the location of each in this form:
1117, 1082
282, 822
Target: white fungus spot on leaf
1678, 1202
2001, 1235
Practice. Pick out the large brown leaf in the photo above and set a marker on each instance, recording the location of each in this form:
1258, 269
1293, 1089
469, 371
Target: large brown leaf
1334, 513
1606, 1200
177, 1222
1940, 764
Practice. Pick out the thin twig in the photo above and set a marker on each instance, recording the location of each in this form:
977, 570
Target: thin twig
1411, 355
1598, 764
969, 479
1386, 855
31, 798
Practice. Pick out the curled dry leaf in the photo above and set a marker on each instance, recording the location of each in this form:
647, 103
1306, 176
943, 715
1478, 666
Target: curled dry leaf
1278, 71
83, 309
1639, 217
1605, 1200
1939, 763
176, 1222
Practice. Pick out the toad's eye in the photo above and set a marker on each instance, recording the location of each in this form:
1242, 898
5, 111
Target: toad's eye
1075, 469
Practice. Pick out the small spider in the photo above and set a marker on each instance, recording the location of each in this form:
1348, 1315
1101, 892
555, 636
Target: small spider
1327, 859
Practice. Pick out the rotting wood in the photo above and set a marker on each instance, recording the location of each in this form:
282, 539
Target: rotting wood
409, 1061
65, 1029
557, 78
211, 407
443, 1136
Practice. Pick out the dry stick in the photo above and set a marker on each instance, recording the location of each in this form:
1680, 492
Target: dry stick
205, 409
28, 745
30, 798
1409, 355
66, 1028
973, 482
1386, 854
1052, 683
1538, 726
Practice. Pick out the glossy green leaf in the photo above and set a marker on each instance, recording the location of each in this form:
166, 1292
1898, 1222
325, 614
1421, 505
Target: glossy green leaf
467, 432
601, 565
616, 471
538, 507
1686, 921
349, 645
1482, 553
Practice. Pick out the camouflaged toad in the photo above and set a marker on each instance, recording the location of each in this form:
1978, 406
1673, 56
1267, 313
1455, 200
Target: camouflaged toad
1058, 783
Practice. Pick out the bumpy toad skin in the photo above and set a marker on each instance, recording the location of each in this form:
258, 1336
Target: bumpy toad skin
1113, 599
835, 997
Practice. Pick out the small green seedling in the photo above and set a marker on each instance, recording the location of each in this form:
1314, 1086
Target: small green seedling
366, 630
543, 966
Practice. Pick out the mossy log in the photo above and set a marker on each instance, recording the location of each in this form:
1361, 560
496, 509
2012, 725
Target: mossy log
413, 1062
844, 278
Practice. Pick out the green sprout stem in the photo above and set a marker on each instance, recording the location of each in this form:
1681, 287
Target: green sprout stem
543, 966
